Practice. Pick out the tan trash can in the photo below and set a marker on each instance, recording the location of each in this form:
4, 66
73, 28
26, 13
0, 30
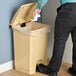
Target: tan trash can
30, 41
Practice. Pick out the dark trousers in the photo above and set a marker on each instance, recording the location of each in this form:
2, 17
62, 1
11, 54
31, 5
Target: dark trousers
64, 25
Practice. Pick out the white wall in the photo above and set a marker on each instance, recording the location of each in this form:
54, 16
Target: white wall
49, 14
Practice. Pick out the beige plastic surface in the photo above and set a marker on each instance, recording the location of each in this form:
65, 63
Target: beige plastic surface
33, 28
30, 49
23, 14
30, 42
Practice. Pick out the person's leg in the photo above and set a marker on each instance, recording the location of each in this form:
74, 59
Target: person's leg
73, 34
64, 24
72, 69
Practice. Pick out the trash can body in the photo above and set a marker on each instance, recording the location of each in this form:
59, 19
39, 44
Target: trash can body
30, 50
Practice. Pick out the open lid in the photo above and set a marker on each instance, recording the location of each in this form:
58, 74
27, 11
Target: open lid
23, 14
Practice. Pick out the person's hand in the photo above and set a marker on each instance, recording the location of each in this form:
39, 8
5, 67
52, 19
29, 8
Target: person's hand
36, 14
36, 11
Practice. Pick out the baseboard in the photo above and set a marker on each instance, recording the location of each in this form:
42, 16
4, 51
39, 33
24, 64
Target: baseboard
6, 66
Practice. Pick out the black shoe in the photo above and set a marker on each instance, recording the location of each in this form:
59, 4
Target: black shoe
45, 70
72, 71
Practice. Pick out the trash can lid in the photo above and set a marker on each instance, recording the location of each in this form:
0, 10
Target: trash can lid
24, 14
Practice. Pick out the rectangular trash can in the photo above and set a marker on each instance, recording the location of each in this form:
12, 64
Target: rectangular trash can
30, 41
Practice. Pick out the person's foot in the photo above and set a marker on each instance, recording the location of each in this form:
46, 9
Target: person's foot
45, 70
72, 71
